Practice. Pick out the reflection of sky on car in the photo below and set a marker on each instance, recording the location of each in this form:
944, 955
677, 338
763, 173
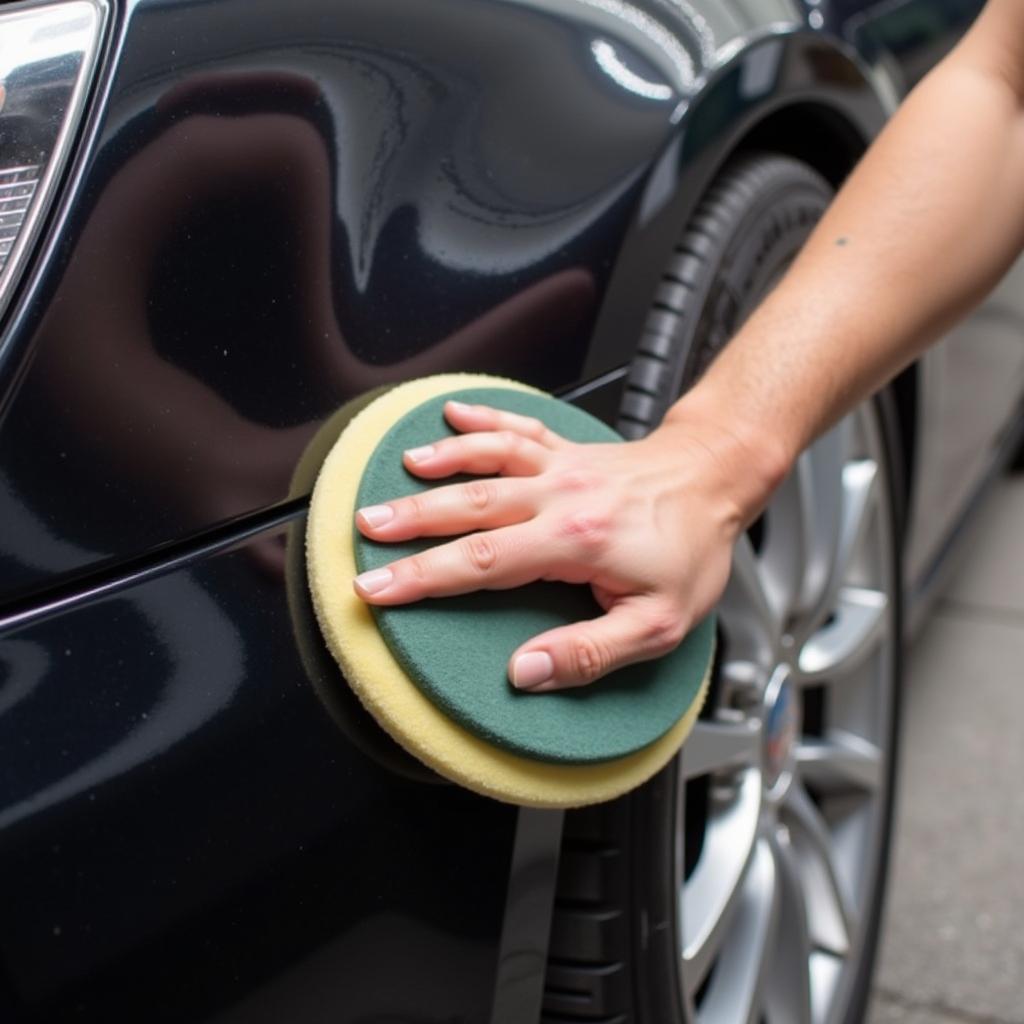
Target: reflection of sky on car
462, 195
435, 155
444, 146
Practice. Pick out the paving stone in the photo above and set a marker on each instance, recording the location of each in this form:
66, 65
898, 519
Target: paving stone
954, 935
886, 1011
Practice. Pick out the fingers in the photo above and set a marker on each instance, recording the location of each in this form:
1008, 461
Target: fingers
443, 511
493, 560
503, 452
466, 418
634, 629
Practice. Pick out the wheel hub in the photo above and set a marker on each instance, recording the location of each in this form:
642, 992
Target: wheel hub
781, 730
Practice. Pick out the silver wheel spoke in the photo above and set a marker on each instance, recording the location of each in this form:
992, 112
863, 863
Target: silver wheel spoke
711, 895
840, 763
747, 614
784, 554
802, 526
716, 745
735, 994
831, 915
855, 630
821, 471
859, 492
860, 483
788, 988
825, 971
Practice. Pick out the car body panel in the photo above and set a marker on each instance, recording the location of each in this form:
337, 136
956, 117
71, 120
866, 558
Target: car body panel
274, 208
187, 825
320, 220
971, 390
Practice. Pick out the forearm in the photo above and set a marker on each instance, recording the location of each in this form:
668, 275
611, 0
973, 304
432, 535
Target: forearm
924, 227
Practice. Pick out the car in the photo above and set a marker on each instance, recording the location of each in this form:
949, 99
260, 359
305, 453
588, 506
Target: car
219, 222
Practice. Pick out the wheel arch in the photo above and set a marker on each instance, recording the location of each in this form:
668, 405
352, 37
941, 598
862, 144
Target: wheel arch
800, 94
811, 132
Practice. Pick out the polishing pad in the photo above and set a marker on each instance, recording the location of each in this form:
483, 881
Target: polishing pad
457, 649
434, 673
321, 669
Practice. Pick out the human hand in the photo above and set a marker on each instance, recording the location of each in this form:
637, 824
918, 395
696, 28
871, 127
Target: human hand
649, 525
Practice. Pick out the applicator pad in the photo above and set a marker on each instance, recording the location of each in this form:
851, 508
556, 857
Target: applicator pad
434, 673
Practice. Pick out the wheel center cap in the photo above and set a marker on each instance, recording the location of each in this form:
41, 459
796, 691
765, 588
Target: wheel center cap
781, 728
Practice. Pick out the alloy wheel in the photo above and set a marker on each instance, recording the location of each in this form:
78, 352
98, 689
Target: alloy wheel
784, 782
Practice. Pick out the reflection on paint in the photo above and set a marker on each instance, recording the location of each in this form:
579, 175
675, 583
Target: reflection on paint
608, 61
634, 26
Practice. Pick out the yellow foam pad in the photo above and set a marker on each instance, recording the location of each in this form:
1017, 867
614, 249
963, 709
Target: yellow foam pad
321, 669
382, 685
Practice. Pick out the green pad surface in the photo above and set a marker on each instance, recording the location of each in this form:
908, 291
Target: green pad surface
456, 649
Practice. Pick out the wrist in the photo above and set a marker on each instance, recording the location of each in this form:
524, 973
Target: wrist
749, 458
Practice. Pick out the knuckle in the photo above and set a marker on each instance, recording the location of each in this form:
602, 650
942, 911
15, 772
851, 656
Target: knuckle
511, 441
481, 552
479, 494
663, 630
533, 428
417, 505
588, 658
416, 570
588, 530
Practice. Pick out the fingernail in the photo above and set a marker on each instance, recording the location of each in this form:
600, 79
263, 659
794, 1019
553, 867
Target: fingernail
374, 581
420, 454
377, 515
458, 406
532, 669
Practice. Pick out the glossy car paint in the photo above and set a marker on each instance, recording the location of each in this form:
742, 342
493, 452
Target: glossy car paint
336, 197
185, 827
275, 207
339, 197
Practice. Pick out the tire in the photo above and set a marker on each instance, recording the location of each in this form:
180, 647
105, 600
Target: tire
742, 883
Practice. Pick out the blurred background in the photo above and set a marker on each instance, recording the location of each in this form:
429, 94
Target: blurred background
953, 946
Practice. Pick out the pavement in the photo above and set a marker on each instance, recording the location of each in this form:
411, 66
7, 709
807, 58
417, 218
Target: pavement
953, 939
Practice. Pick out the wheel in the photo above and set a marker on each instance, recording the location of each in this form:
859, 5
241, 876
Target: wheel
744, 884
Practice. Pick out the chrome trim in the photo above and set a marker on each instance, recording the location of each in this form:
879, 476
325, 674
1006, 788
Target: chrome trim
78, 26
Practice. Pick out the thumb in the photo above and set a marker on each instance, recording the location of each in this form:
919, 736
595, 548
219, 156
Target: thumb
633, 629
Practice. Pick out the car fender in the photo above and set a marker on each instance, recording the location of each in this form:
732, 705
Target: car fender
776, 71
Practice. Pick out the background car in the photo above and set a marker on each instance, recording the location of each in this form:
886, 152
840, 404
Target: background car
221, 220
